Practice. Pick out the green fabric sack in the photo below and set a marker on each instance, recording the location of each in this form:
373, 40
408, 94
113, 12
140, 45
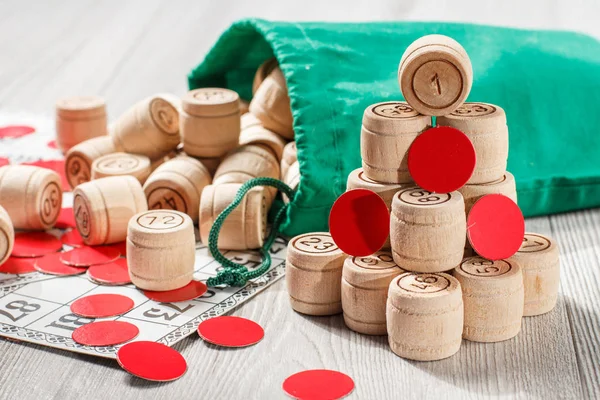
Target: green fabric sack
547, 82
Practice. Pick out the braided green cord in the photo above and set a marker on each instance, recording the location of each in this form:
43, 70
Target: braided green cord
234, 274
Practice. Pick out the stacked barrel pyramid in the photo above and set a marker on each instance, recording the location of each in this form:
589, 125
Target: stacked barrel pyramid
457, 263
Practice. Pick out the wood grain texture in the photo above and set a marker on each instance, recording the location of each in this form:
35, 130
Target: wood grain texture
129, 50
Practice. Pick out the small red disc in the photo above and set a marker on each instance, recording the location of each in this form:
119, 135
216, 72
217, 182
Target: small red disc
441, 159
152, 361
318, 384
4, 161
86, 255
102, 305
57, 166
35, 244
121, 247
51, 264
190, 291
72, 238
15, 131
230, 331
359, 222
66, 219
105, 333
495, 227
52, 144
114, 273
16, 265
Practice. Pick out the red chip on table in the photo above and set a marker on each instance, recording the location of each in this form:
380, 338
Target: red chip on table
52, 144
51, 264
35, 244
72, 238
318, 384
152, 361
359, 222
121, 247
86, 255
105, 333
495, 227
113, 273
190, 291
19, 266
15, 131
4, 161
57, 166
66, 219
441, 159
230, 331
102, 305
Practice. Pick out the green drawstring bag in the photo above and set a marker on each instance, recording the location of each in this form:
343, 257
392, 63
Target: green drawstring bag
547, 82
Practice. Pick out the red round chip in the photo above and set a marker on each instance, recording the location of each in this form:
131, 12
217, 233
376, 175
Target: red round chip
57, 166
35, 244
495, 227
114, 273
4, 161
66, 219
102, 305
230, 331
359, 222
16, 265
152, 361
15, 131
121, 247
87, 255
51, 264
52, 144
188, 292
441, 159
318, 384
72, 238
105, 333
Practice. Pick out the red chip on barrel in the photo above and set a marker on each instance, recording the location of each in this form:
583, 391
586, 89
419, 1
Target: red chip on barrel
152, 361
359, 222
318, 384
66, 219
35, 244
441, 159
87, 255
495, 227
51, 264
188, 292
72, 238
16, 265
15, 131
114, 273
230, 331
102, 305
105, 333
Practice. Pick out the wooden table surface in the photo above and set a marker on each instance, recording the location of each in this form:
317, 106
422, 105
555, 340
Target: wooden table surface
129, 49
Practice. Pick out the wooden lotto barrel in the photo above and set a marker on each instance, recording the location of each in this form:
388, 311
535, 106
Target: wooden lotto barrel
210, 163
103, 207
388, 130
357, 179
262, 72
150, 128
540, 263
314, 274
427, 230
32, 196
245, 227
365, 283
7, 235
435, 75
118, 164
79, 159
177, 185
485, 125
288, 157
424, 316
79, 119
292, 179
247, 162
258, 134
493, 298
161, 249
506, 185
271, 105
210, 122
